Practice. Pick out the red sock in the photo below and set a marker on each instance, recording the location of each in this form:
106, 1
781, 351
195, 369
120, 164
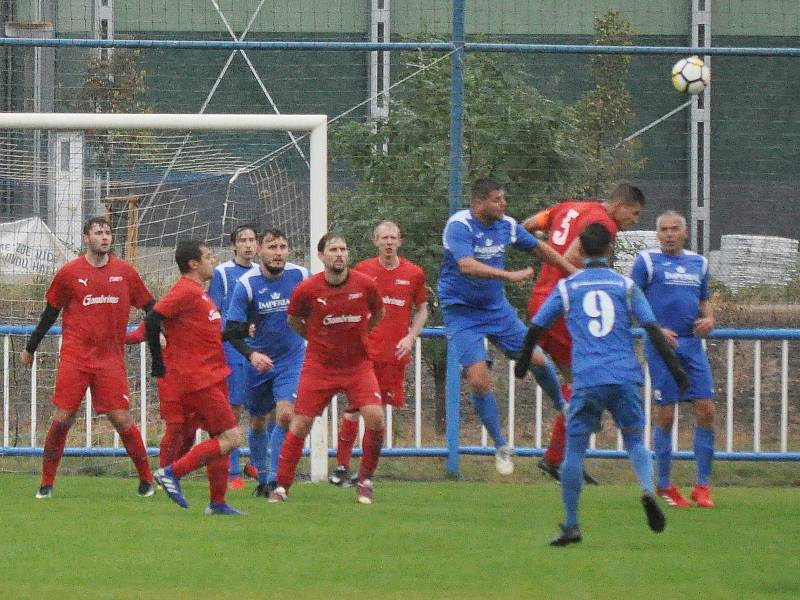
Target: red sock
291, 451
132, 440
566, 392
555, 452
200, 455
370, 453
176, 442
54, 443
217, 472
348, 431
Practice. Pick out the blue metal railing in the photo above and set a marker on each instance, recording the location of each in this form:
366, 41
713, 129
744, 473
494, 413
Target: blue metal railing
454, 448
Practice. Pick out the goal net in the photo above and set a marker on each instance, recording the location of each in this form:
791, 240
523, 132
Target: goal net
157, 178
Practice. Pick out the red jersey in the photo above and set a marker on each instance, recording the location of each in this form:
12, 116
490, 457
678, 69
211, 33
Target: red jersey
336, 319
96, 302
565, 221
400, 288
193, 328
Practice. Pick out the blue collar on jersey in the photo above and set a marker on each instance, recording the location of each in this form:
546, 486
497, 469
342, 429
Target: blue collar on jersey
595, 261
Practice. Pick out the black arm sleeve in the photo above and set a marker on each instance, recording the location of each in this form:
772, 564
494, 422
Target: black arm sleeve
235, 332
152, 325
149, 306
524, 360
46, 320
668, 354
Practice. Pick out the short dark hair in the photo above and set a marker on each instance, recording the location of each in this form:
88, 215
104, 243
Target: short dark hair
628, 194
595, 239
331, 235
240, 228
87, 227
482, 187
187, 250
272, 232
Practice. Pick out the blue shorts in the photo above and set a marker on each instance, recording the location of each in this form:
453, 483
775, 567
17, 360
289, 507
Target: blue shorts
621, 400
466, 328
694, 361
263, 394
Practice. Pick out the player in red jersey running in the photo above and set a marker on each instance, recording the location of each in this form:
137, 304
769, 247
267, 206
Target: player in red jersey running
334, 310
401, 284
564, 223
95, 291
193, 327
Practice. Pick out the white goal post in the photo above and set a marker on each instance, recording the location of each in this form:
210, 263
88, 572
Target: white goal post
316, 125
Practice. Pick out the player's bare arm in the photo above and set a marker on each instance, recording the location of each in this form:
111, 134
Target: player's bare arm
48, 317
376, 318
575, 254
705, 322
547, 254
235, 333
298, 324
406, 344
475, 268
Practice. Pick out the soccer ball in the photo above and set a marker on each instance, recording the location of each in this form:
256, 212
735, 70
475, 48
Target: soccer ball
690, 75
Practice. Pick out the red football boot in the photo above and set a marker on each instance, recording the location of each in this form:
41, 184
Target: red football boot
701, 494
673, 497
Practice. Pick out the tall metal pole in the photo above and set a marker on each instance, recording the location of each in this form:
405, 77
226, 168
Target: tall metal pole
453, 388
700, 139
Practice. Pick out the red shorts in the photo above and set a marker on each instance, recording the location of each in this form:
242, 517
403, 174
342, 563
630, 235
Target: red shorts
556, 341
391, 382
318, 387
210, 408
169, 405
109, 386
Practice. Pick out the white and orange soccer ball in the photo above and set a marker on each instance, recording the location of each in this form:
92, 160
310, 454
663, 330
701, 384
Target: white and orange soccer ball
690, 75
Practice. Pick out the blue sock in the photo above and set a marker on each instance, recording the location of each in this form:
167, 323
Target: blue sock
547, 378
235, 469
662, 444
640, 459
275, 443
703, 453
572, 476
486, 407
259, 446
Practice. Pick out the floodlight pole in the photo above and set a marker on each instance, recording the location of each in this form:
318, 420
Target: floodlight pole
700, 139
453, 386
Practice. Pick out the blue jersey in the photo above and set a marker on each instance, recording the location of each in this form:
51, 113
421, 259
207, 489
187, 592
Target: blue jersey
264, 301
674, 285
598, 305
465, 236
222, 283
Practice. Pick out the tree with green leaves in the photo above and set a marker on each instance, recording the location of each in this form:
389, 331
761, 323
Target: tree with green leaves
605, 115
398, 168
511, 132
113, 83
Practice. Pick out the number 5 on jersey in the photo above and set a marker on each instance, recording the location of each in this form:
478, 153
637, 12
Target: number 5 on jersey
561, 235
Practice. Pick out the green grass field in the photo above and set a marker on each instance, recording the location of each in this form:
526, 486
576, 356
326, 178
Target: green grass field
97, 539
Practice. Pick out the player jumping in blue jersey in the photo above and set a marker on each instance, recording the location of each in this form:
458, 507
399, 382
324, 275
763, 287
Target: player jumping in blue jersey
675, 281
597, 304
276, 353
244, 245
474, 303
